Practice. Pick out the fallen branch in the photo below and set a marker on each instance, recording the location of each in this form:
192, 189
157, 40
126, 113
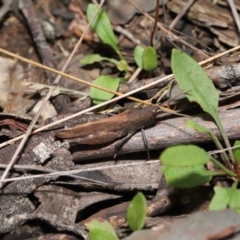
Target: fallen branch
164, 134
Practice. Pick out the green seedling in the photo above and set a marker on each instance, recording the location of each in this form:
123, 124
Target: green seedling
137, 53
145, 58
136, 216
102, 26
184, 165
193, 80
225, 198
100, 229
137, 212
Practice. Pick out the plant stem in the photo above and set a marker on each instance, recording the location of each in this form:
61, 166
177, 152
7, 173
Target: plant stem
225, 138
218, 164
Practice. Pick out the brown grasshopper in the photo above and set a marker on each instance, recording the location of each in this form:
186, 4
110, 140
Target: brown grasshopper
123, 125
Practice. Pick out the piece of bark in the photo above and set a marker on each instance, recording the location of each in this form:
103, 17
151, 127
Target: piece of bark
58, 201
225, 76
14, 204
54, 236
13, 197
28, 156
34, 25
92, 197
36, 231
66, 203
202, 226
27, 8
160, 224
164, 134
5, 8
60, 204
10, 133
151, 234
8, 224
192, 199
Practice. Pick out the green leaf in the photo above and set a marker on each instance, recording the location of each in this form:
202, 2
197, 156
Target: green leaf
193, 80
221, 198
187, 177
102, 26
225, 197
236, 151
93, 58
200, 128
149, 59
101, 229
137, 211
138, 52
184, 166
184, 155
100, 96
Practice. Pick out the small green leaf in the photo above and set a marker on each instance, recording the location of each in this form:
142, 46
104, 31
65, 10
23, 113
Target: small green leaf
123, 66
93, 58
184, 155
149, 59
201, 129
138, 52
184, 166
137, 211
100, 96
187, 177
225, 197
221, 199
101, 229
102, 26
236, 151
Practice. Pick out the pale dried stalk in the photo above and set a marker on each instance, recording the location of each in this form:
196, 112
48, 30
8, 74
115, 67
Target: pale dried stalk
182, 12
135, 74
235, 13
43, 169
76, 171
